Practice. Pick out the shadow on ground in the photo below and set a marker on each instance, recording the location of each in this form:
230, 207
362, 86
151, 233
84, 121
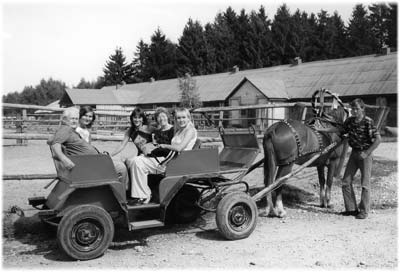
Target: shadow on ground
38, 238
383, 167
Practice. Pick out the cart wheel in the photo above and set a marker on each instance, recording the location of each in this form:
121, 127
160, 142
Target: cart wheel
85, 232
236, 215
183, 208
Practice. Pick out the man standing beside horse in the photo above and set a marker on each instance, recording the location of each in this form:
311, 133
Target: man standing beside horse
363, 139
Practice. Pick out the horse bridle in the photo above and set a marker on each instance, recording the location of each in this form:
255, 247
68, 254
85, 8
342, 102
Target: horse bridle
319, 113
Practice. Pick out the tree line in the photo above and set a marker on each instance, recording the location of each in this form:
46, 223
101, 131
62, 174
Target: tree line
246, 40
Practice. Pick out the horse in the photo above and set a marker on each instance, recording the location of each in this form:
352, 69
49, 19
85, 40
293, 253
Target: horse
290, 142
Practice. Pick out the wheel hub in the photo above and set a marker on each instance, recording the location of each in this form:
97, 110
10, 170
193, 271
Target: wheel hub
86, 236
238, 216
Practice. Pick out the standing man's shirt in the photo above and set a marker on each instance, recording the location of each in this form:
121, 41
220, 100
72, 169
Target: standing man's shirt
73, 143
361, 134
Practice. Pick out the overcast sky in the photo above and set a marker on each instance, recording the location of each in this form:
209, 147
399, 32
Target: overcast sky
68, 40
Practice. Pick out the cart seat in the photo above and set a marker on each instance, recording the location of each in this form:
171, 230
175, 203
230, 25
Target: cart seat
88, 168
239, 152
198, 161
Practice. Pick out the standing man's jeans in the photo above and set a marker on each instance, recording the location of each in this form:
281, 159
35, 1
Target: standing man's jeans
365, 165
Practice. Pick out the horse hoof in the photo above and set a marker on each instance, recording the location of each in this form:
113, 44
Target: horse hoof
281, 214
263, 214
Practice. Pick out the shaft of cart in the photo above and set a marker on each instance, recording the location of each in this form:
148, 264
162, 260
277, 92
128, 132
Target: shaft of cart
282, 180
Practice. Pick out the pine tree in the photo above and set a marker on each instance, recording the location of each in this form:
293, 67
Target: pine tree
117, 71
139, 63
362, 40
161, 61
332, 37
231, 23
339, 37
222, 40
245, 45
391, 25
310, 37
211, 59
192, 49
283, 37
260, 37
378, 17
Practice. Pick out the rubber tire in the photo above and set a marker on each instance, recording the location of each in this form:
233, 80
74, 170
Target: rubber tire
75, 217
243, 205
183, 208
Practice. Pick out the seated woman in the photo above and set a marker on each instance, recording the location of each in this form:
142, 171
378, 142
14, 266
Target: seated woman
139, 132
184, 139
86, 119
163, 134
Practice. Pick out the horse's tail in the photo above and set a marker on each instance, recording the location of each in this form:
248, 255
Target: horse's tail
269, 160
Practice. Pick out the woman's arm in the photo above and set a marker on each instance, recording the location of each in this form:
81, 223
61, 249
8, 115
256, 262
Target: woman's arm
122, 144
189, 136
50, 140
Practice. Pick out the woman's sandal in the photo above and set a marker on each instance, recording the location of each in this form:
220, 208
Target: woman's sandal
138, 201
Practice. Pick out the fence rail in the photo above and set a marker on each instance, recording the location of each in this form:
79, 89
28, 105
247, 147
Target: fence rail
205, 118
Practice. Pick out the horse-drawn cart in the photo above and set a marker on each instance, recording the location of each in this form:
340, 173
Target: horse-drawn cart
88, 200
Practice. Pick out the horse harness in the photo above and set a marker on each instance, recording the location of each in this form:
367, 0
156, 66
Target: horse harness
300, 150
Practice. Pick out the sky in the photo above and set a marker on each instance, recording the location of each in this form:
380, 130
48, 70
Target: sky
70, 40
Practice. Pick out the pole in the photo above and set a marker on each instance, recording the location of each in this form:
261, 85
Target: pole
281, 180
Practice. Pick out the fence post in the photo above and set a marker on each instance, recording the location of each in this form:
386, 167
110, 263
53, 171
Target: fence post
221, 116
20, 126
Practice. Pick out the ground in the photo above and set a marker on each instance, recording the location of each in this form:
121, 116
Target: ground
309, 237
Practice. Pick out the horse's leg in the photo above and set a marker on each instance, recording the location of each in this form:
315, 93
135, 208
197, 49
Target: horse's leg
282, 171
269, 174
322, 186
329, 181
269, 208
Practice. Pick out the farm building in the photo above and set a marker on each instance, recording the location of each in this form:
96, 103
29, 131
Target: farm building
372, 78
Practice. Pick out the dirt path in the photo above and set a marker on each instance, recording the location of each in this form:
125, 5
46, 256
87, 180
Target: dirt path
309, 237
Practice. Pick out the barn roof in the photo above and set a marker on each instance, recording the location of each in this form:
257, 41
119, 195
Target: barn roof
271, 88
90, 96
365, 75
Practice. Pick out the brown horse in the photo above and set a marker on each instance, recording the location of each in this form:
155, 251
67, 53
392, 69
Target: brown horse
291, 142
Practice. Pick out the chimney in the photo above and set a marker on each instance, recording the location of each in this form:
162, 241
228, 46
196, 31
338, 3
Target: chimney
297, 61
385, 50
152, 79
235, 69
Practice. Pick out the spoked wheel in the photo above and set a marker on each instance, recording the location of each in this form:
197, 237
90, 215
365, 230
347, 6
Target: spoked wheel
184, 208
85, 232
236, 216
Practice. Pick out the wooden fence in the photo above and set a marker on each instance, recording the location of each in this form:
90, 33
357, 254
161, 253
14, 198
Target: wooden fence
218, 117
39, 126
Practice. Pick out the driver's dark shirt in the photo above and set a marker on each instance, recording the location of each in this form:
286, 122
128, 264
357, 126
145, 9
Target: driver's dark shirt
73, 143
361, 134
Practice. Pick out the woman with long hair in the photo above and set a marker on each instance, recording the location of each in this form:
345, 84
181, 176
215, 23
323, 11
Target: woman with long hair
139, 132
86, 119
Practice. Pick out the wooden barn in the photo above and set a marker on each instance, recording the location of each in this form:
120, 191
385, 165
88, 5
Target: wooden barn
372, 78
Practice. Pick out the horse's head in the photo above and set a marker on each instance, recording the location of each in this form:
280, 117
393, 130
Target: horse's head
331, 117
334, 117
